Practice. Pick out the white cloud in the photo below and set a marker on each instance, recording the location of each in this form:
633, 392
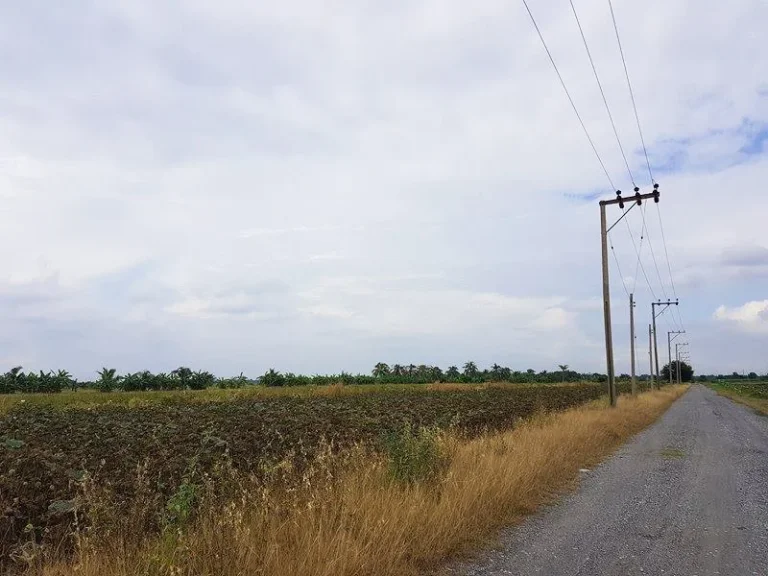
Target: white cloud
751, 316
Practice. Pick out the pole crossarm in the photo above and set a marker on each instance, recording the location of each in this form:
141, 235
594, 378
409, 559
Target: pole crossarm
636, 200
665, 305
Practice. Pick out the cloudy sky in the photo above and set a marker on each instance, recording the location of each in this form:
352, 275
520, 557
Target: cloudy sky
318, 186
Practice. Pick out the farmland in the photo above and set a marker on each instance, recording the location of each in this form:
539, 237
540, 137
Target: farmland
752, 392
51, 449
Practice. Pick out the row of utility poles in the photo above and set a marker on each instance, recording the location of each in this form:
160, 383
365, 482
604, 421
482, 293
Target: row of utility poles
657, 308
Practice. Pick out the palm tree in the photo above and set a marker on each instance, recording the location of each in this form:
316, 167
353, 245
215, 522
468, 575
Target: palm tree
380, 370
452, 373
13, 376
184, 374
436, 374
107, 379
564, 369
66, 379
470, 369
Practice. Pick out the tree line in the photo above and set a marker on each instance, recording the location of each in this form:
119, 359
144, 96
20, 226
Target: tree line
184, 378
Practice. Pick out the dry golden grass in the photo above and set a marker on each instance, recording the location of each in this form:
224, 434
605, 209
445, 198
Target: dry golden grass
351, 519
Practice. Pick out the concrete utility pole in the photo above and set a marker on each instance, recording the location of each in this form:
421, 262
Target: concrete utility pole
636, 200
650, 352
655, 315
632, 341
669, 348
677, 355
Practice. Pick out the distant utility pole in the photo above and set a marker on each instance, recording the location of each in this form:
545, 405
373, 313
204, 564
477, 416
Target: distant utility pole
650, 352
655, 315
632, 340
677, 355
604, 229
669, 348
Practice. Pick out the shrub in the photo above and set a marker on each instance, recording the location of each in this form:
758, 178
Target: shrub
415, 455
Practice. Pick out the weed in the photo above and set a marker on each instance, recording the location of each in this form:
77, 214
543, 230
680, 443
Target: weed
415, 455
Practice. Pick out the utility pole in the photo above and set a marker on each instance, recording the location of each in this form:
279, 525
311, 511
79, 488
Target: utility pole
636, 200
632, 341
669, 348
677, 354
650, 352
655, 315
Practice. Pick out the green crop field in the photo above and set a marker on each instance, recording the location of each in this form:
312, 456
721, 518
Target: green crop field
752, 388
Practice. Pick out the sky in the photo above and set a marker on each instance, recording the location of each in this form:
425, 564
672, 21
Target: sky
320, 186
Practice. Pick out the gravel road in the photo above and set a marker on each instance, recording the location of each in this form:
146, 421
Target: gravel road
688, 496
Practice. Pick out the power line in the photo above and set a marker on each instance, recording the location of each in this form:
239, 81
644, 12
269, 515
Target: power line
639, 261
640, 251
653, 255
618, 266
568, 94
669, 265
602, 92
631, 92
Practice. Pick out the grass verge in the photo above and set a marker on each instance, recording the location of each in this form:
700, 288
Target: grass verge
758, 404
355, 517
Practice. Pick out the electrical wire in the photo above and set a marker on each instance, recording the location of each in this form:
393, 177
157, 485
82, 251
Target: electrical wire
640, 262
602, 93
631, 92
653, 255
568, 94
640, 251
669, 265
618, 266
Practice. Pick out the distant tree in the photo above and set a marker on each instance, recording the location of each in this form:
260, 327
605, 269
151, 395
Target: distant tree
272, 378
452, 374
108, 380
380, 370
11, 381
752, 375
686, 372
65, 380
424, 373
563, 369
398, 370
470, 370
201, 380
184, 375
